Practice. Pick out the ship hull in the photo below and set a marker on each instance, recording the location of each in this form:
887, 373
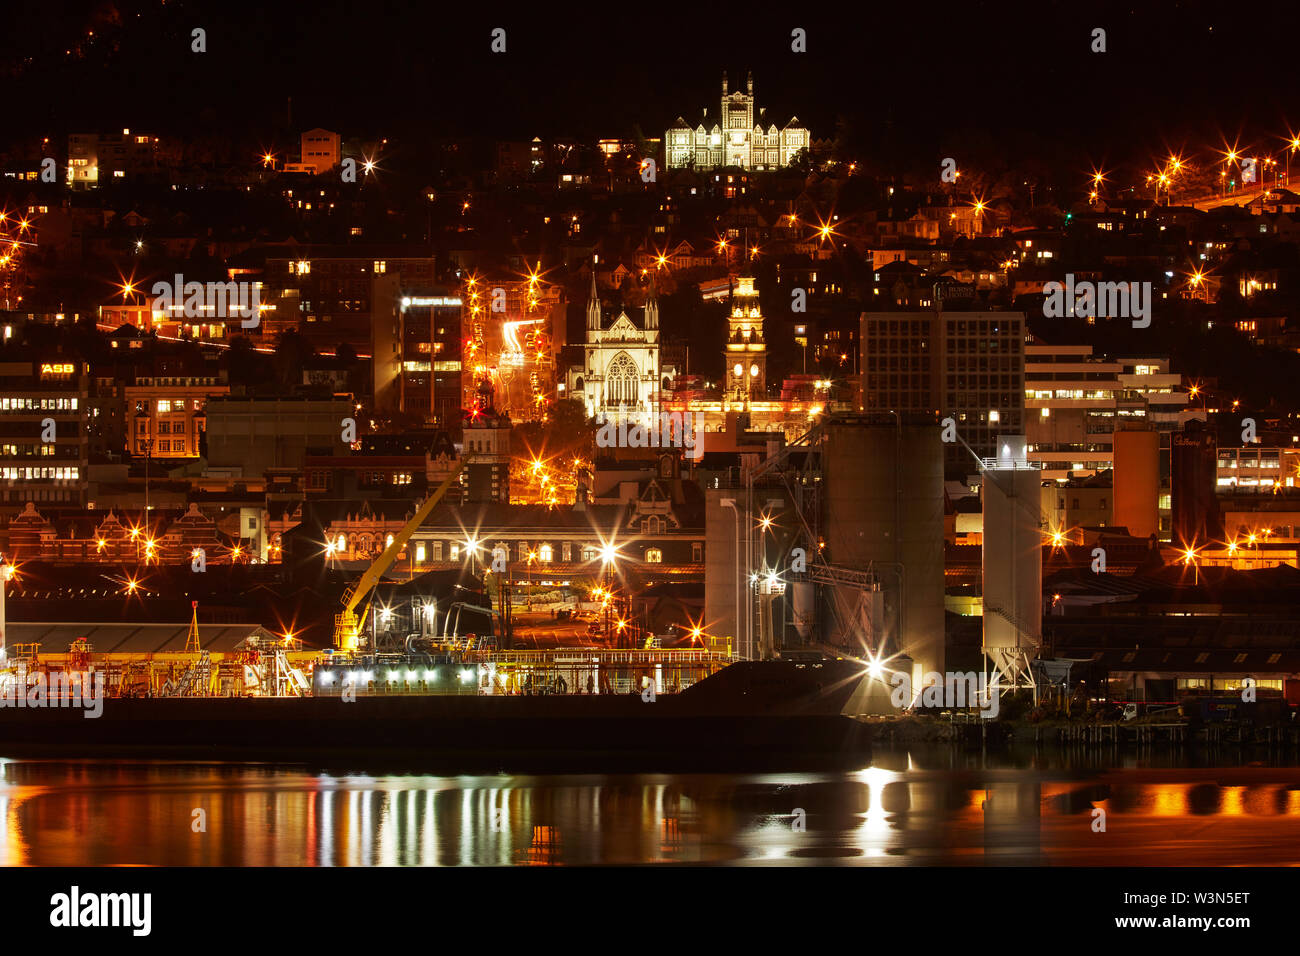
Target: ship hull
760, 714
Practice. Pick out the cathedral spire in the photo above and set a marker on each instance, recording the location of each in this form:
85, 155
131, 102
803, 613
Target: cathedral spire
652, 306
593, 302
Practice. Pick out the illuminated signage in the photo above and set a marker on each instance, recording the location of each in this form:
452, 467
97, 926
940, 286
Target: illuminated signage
57, 368
408, 301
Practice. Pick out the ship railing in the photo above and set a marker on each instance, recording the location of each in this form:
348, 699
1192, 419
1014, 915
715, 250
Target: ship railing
579, 655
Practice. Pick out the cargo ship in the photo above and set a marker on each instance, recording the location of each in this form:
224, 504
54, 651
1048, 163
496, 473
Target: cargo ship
777, 713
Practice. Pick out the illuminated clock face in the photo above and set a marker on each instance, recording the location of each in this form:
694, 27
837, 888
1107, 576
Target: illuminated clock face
753, 371
738, 370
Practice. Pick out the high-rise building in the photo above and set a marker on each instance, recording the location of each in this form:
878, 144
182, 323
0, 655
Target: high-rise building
44, 412
968, 366
416, 351
736, 138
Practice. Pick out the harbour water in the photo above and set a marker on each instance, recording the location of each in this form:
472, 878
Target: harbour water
905, 808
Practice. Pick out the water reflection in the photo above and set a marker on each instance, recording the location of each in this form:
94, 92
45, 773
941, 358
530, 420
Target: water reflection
906, 808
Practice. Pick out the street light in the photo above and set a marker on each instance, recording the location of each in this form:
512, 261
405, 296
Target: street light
7, 573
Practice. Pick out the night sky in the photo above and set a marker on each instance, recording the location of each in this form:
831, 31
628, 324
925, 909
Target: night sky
907, 79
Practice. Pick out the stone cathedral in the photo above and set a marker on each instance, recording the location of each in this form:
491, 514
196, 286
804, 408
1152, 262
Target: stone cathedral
737, 136
622, 360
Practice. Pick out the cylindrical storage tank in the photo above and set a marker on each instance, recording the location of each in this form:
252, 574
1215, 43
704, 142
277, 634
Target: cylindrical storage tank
1012, 561
884, 509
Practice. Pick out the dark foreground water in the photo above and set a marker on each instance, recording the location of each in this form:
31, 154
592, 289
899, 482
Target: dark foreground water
904, 809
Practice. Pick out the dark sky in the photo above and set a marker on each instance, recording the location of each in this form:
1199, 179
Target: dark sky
917, 73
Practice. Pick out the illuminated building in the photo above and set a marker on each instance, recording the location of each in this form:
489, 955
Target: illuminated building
737, 138
174, 326
744, 390
94, 158
622, 360
168, 410
319, 150
746, 358
416, 351
1075, 402
566, 544
44, 419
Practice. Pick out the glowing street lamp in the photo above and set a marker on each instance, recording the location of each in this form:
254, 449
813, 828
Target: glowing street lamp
7, 573
1189, 558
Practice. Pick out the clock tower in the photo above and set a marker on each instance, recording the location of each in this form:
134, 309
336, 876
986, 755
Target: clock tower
746, 353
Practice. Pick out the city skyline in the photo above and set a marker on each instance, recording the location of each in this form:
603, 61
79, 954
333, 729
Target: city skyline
615, 436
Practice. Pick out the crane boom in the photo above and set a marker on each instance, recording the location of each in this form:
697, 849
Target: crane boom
346, 624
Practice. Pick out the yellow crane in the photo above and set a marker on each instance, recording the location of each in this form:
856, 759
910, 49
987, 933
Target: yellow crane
348, 624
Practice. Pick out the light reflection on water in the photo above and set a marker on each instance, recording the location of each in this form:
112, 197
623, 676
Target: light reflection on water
904, 809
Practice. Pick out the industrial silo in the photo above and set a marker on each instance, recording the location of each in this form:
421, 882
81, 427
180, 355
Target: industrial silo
883, 511
1012, 561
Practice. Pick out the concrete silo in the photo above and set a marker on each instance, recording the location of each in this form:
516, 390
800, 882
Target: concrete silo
1012, 562
883, 511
